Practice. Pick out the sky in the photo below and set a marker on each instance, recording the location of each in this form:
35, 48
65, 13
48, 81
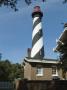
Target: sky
16, 29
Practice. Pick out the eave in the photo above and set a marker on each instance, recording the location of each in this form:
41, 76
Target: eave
61, 42
44, 61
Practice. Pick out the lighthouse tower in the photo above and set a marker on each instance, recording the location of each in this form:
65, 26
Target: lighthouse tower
37, 51
36, 67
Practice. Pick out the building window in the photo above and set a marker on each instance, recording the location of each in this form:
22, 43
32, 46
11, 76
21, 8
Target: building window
39, 71
53, 70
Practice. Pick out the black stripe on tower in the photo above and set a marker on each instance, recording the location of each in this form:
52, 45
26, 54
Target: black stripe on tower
40, 54
36, 22
37, 37
37, 14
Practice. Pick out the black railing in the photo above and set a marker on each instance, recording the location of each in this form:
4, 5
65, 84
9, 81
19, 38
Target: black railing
42, 85
6, 85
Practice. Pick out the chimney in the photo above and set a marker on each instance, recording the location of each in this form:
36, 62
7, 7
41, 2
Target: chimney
29, 52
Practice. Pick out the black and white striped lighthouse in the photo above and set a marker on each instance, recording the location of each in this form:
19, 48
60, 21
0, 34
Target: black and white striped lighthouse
37, 51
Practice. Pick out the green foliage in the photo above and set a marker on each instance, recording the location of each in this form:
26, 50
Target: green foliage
13, 3
16, 71
30, 1
10, 71
65, 1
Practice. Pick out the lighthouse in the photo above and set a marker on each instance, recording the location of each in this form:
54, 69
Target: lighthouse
36, 67
37, 51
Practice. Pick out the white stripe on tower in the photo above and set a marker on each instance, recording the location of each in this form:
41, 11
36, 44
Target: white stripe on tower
37, 51
36, 30
37, 47
35, 19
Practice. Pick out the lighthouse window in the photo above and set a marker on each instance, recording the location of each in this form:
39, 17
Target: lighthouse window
39, 71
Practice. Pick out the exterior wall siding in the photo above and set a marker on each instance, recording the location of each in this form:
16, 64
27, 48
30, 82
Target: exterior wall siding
30, 72
66, 75
27, 71
60, 73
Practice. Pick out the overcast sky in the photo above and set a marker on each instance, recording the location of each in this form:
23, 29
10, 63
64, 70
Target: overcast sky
16, 29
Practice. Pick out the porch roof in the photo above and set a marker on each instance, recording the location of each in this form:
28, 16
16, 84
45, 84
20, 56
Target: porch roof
61, 42
52, 61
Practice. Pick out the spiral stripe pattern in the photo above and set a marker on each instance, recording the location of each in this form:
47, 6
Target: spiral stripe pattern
37, 51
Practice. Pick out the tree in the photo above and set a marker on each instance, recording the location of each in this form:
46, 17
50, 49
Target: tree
13, 3
5, 70
65, 1
63, 59
9, 71
16, 71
